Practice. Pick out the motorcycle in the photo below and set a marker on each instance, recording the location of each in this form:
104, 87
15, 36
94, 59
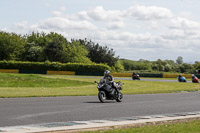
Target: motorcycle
182, 79
107, 92
136, 77
195, 80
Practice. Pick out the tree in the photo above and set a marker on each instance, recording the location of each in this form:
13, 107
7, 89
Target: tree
118, 67
100, 54
179, 60
134, 65
196, 64
33, 52
38, 38
167, 68
75, 52
183, 68
55, 47
54, 50
11, 46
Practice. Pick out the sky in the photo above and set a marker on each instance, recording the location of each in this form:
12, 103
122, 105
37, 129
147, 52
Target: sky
135, 29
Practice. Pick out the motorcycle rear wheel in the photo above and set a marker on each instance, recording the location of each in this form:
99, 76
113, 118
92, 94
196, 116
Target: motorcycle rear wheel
120, 96
102, 96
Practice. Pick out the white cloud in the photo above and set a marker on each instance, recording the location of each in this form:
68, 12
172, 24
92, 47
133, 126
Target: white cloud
148, 12
159, 31
179, 32
64, 24
115, 25
19, 27
183, 23
100, 14
182, 28
186, 14
137, 11
175, 35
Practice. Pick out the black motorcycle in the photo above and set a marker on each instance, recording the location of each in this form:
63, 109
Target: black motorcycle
136, 77
107, 92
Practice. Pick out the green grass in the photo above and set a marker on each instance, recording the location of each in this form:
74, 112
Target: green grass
29, 85
30, 80
182, 127
149, 87
143, 87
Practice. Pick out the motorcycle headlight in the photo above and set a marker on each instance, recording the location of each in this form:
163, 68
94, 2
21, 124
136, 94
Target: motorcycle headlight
99, 86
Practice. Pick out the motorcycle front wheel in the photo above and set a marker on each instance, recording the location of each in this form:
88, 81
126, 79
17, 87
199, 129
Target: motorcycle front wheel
120, 96
102, 96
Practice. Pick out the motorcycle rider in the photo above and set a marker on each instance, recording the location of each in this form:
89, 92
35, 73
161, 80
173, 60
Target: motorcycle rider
135, 76
110, 79
179, 77
193, 76
194, 79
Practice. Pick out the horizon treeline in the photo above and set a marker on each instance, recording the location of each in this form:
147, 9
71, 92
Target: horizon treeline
177, 66
54, 47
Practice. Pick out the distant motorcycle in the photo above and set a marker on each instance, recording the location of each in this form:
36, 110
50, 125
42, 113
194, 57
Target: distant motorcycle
136, 77
107, 92
182, 79
195, 80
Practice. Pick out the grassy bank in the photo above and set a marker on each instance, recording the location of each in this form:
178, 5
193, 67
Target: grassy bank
143, 87
28, 85
33, 80
191, 126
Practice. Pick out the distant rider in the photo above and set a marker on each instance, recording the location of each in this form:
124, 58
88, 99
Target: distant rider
133, 74
109, 78
195, 79
179, 77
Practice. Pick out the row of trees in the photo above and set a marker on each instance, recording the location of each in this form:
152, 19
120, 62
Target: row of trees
160, 65
53, 47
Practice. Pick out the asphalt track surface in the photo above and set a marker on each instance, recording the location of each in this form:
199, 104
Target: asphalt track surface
25, 111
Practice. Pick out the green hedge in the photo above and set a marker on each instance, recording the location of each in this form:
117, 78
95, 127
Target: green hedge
151, 75
56, 66
198, 75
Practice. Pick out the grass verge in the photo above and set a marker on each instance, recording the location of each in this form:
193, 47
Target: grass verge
143, 87
28, 85
176, 126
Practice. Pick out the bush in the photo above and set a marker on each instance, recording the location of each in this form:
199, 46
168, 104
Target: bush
77, 67
135, 65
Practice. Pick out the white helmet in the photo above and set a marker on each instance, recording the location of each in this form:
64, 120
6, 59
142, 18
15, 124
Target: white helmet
106, 73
